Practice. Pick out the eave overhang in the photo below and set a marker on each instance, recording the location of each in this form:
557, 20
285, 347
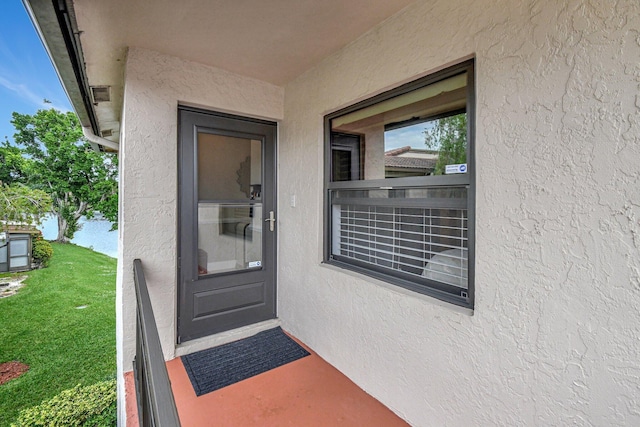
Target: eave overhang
55, 22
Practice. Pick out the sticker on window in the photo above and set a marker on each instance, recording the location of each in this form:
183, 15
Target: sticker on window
255, 264
461, 168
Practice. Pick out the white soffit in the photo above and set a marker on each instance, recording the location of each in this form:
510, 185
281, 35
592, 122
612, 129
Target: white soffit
274, 41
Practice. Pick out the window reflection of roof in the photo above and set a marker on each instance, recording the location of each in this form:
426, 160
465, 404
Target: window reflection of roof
409, 162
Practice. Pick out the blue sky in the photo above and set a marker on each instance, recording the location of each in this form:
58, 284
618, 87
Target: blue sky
410, 135
27, 76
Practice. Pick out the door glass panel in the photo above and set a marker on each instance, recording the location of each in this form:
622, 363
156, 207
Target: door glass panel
229, 237
229, 204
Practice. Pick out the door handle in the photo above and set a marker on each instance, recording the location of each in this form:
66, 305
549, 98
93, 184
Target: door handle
272, 220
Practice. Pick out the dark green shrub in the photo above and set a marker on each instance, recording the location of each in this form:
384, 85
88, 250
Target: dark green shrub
42, 251
108, 417
92, 405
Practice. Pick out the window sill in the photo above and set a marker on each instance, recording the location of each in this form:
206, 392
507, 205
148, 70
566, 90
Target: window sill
344, 269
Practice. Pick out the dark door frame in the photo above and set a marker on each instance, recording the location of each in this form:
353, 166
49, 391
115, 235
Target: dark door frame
189, 121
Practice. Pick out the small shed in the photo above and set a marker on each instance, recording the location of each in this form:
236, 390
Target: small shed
15, 247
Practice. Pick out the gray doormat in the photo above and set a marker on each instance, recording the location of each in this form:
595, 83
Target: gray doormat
227, 364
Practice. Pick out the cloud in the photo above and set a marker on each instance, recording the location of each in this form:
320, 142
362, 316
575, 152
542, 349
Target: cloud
27, 95
411, 135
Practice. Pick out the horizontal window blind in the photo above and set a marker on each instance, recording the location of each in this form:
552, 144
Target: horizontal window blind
421, 241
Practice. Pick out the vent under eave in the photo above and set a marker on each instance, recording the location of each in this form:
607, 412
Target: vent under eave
106, 133
101, 93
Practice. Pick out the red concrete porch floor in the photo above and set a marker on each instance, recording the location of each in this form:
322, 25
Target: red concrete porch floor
306, 393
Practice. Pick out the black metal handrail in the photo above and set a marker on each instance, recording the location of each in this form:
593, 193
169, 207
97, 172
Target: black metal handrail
156, 405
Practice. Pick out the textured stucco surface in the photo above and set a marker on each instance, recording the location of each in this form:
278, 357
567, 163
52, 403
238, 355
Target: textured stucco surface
554, 339
554, 336
155, 85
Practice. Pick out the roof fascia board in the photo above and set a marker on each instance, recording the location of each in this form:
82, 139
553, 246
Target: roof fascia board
54, 21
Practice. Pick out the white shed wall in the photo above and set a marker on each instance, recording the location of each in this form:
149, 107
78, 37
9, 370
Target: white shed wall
155, 85
554, 337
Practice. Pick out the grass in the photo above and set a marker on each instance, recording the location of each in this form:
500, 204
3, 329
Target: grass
42, 327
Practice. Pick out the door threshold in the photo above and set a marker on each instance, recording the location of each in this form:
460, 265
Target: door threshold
224, 337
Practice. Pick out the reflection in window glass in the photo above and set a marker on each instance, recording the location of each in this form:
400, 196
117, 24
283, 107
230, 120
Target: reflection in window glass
345, 157
387, 213
444, 142
420, 133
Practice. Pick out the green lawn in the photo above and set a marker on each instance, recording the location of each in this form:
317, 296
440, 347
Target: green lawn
42, 327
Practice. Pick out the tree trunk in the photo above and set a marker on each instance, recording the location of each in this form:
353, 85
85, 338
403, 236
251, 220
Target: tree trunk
68, 225
62, 229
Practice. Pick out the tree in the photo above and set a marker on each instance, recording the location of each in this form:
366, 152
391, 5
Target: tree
11, 164
449, 137
79, 180
21, 204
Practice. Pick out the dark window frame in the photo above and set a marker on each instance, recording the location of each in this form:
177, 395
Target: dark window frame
423, 286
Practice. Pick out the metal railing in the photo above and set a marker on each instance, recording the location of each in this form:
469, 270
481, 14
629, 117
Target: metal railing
156, 405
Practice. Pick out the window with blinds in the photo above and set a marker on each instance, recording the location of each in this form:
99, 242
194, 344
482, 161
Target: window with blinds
399, 199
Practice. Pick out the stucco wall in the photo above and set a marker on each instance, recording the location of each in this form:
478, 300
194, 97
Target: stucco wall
554, 336
155, 84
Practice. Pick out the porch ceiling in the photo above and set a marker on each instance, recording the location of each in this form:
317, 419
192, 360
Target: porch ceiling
273, 41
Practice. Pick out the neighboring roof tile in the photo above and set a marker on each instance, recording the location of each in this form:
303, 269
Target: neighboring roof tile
397, 151
409, 162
